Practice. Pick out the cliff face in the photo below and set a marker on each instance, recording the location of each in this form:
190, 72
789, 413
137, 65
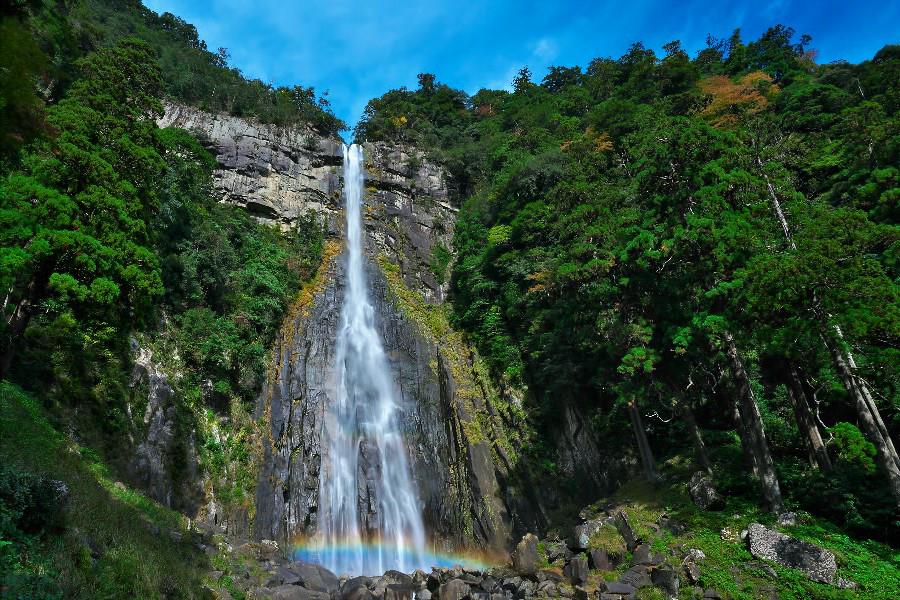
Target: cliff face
462, 433
280, 175
277, 174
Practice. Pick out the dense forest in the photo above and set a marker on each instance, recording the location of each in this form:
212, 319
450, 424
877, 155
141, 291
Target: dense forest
110, 238
690, 247
701, 253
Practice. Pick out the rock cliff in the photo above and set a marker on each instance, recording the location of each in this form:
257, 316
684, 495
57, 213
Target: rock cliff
454, 422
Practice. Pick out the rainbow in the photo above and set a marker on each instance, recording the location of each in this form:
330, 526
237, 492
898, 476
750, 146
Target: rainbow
314, 551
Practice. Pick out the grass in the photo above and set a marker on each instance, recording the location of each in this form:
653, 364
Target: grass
116, 542
729, 567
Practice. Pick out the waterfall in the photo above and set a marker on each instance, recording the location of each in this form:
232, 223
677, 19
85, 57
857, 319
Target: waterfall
371, 519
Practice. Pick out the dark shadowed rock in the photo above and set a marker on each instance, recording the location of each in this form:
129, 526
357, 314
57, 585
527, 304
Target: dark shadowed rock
638, 576
296, 592
284, 575
577, 569
626, 531
600, 560
644, 556
666, 579
818, 564
400, 591
703, 493
525, 558
618, 587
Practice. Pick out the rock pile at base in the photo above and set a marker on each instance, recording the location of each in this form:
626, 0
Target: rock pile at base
599, 549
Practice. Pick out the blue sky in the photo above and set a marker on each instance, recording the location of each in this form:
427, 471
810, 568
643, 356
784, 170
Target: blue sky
360, 49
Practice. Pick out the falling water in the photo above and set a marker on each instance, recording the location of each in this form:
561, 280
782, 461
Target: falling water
371, 520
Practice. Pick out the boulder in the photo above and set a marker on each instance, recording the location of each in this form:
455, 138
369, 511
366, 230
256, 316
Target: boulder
638, 576
357, 593
423, 594
296, 592
548, 589
558, 551
284, 575
818, 564
511, 584
666, 580
626, 531
600, 560
315, 577
454, 590
787, 519
400, 591
394, 576
703, 493
577, 569
525, 558
581, 535
644, 556
618, 588
526, 590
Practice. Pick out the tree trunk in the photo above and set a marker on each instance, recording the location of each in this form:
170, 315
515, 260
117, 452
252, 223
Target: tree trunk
741, 427
640, 434
867, 410
749, 412
887, 456
699, 446
806, 422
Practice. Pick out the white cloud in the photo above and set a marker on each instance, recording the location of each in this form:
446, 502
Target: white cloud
545, 50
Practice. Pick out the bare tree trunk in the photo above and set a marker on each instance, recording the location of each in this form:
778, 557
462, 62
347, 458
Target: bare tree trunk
806, 422
886, 457
750, 416
867, 410
640, 434
699, 446
741, 427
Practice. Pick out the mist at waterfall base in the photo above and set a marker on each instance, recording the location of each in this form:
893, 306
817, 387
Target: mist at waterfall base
370, 519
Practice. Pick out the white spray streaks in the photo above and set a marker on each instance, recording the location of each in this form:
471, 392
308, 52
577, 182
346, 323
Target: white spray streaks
371, 520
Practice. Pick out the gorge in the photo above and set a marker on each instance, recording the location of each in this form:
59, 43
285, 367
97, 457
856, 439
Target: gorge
626, 331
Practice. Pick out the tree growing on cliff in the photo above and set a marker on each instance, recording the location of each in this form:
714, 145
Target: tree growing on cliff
74, 245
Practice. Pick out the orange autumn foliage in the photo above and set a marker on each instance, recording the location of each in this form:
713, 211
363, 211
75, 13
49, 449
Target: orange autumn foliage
733, 99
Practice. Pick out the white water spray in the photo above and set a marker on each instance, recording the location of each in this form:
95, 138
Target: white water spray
371, 520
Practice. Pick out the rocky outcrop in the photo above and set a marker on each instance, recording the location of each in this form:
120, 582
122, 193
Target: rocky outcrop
277, 173
410, 217
164, 460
